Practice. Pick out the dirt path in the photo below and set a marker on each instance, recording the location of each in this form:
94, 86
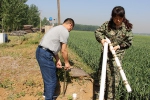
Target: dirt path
20, 79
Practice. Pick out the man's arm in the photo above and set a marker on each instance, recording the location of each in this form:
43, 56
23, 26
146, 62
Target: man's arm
64, 52
58, 62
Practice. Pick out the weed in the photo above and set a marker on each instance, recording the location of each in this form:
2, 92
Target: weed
69, 97
30, 83
11, 97
39, 93
21, 94
6, 45
6, 84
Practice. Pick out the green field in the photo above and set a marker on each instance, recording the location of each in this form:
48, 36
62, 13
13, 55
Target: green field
136, 63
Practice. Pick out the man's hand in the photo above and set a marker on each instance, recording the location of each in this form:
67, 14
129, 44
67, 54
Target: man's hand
58, 64
64, 52
67, 66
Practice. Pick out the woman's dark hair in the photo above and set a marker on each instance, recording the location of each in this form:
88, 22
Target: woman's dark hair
118, 11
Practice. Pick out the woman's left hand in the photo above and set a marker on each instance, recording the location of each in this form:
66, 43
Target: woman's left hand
116, 47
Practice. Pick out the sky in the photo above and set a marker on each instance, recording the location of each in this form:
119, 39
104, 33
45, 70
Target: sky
96, 12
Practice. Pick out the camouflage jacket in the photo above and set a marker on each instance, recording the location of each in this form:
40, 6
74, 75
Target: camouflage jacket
121, 36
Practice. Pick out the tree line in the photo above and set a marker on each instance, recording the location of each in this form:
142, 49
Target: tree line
81, 27
16, 13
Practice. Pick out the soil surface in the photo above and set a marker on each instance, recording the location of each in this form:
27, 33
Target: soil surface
20, 79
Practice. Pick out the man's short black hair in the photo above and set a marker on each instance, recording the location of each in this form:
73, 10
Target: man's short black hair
69, 21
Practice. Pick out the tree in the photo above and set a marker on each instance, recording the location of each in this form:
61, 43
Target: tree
45, 21
33, 15
13, 14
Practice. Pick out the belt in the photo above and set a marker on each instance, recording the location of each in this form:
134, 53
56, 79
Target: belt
46, 49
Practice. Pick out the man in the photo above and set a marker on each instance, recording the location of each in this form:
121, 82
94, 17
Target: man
53, 41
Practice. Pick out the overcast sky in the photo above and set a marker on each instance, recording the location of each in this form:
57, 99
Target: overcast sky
96, 12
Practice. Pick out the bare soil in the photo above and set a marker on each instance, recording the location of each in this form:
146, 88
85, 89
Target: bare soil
20, 78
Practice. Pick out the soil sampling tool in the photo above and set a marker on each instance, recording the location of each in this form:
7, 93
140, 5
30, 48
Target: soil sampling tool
64, 85
73, 72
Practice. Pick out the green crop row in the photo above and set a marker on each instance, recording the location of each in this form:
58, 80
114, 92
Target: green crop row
136, 63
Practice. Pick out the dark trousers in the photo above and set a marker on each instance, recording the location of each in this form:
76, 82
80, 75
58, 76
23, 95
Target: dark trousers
48, 71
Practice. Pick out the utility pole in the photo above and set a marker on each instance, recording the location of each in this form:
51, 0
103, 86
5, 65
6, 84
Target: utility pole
58, 7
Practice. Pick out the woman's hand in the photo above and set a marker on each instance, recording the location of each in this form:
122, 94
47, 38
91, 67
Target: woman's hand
103, 41
116, 47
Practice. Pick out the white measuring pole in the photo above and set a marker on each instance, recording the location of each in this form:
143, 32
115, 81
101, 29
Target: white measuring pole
103, 72
119, 66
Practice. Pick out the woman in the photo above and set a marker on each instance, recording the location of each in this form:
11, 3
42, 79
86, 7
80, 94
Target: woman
119, 30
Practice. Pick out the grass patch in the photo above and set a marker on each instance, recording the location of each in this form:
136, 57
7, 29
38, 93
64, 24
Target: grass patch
30, 83
6, 84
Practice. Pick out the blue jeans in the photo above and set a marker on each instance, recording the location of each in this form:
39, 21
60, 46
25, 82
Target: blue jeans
48, 71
